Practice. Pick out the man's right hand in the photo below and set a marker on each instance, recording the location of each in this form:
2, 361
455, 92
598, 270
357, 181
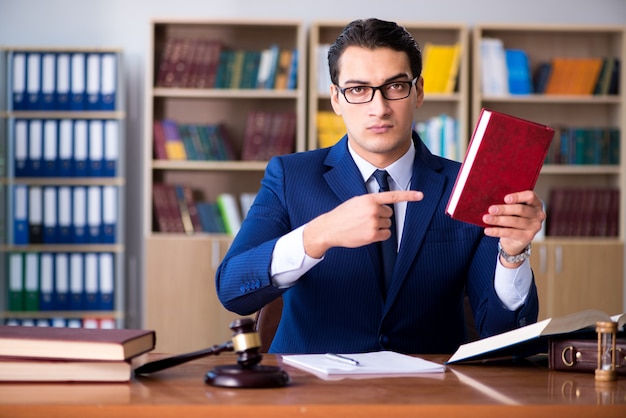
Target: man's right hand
356, 222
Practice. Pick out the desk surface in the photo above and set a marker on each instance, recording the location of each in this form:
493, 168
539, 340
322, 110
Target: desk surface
463, 390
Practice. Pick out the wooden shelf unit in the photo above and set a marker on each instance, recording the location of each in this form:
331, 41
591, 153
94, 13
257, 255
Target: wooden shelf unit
572, 273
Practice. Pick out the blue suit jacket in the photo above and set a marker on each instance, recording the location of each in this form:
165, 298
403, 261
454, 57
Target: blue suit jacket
337, 306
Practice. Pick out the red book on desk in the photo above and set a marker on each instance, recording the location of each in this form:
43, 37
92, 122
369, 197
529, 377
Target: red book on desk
505, 155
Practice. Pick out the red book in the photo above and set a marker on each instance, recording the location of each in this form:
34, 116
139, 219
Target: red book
505, 155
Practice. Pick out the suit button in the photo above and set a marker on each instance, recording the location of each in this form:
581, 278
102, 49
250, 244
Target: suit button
383, 339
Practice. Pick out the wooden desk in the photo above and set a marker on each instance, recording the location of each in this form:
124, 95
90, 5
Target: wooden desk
523, 390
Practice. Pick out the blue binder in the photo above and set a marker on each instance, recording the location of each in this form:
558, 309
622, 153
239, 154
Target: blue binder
35, 215
107, 281
79, 215
64, 197
111, 148
50, 144
34, 161
33, 81
61, 282
94, 214
109, 214
46, 282
48, 81
63, 81
31, 281
20, 147
18, 81
92, 86
96, 148
65, 165
80, 150
20, 215
50, 223
77, 83
77, 286
92, 296
108, 86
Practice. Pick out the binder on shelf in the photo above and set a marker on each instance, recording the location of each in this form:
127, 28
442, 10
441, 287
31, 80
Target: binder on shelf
80, 150
65, 166
63, 79
108, 84
77, 289
79, 215
96, 148
20, 215
31, 282
35, 215
18, 81
111, 148
94, 214
77, 81
64, 233
109, 214
20, 146
50, 143
107, 282
46, 287
92, 85
92, 298
16, 282
34, 161
48, 75
50, 226
61, 282
33, 81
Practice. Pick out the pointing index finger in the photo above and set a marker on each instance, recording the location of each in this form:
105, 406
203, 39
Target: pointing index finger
385, 198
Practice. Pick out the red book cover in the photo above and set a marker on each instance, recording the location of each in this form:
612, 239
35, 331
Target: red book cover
505, 155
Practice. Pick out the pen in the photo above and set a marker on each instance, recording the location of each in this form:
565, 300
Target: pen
342, 359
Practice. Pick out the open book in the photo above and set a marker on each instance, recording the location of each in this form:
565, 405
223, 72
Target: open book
532, 339
374, 364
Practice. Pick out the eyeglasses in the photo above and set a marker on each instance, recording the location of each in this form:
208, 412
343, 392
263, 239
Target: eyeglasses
394, 90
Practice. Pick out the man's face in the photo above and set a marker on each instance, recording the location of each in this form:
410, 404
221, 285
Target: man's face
379, 131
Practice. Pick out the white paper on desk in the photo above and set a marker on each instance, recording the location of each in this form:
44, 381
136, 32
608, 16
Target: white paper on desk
376, 364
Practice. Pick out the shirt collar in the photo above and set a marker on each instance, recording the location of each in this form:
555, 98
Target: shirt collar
400, 170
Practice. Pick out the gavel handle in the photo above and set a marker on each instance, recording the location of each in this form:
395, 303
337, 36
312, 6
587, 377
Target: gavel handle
165, 363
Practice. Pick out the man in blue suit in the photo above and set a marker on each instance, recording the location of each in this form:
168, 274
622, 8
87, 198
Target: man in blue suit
314, 232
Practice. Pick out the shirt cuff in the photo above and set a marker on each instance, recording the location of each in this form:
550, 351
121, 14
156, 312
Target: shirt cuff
289, 260
513, 285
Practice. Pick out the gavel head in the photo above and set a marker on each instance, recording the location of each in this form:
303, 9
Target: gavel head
246, 342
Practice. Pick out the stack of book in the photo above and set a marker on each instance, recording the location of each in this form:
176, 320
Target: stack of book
45, 354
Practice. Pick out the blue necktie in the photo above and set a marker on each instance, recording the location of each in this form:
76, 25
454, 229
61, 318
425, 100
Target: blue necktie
389, 247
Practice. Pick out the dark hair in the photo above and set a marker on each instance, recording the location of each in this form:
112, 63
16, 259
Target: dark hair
374, 33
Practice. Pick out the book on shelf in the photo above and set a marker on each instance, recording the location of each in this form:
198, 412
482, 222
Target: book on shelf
441, 67
493, 69
75, 343
573, 75
330, 128
505, 155
43, 370
372, 364
588, 212
533, 339
230, 212
518, 68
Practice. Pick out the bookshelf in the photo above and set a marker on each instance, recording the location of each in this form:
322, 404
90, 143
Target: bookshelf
179, 292
455, 104
62, 187
573, 271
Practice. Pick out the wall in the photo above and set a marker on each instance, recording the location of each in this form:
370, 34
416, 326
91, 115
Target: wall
125, 24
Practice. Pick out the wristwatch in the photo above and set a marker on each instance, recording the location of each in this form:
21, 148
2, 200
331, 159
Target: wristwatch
514, 258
